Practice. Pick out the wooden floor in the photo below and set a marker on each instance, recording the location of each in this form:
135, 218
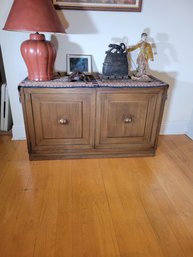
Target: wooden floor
129, 207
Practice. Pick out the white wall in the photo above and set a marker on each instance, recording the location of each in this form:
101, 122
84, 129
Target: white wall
169, 25
14, 68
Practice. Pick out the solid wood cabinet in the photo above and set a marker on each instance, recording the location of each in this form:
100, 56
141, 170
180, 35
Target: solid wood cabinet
89, 122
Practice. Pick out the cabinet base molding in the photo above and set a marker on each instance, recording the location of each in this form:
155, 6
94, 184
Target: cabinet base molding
42, 156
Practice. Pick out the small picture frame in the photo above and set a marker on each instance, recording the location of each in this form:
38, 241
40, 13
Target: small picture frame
79, 62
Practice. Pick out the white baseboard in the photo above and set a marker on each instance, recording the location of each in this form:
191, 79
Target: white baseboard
174, 127
189, 132
18, 133
190, 127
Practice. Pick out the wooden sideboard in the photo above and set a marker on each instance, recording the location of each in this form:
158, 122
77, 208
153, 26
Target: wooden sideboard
100, 119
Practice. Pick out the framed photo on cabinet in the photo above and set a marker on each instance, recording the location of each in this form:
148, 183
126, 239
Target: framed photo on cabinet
77, 62
100, 5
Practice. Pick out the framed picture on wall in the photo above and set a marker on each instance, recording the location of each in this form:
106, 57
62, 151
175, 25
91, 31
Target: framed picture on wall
76, 62
100, 5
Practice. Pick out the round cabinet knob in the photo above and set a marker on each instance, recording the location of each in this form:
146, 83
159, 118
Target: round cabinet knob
63, 121
128, 120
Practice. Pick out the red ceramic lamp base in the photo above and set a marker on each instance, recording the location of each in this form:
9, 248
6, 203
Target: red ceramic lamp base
39, 56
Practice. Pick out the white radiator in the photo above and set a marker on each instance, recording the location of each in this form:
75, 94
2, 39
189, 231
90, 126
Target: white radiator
6, 117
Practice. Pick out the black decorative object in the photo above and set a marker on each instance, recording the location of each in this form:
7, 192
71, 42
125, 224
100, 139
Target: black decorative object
115, 63
78, 76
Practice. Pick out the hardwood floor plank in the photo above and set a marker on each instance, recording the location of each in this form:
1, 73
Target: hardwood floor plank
134, 232
121, 207
166, 222
15, 180
17, 212
180, 149
12, 150
171, 174
64, 217
93, 231
48, 213
178, 188
9, 243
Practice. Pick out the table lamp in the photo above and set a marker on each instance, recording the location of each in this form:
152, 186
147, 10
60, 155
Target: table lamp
38, 53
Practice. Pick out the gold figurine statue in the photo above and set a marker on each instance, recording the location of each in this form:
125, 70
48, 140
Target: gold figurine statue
144, 55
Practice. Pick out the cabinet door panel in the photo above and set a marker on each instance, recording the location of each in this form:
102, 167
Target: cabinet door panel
126, 118
62, 120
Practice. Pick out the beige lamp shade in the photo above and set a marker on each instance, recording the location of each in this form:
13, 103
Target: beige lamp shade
38, 53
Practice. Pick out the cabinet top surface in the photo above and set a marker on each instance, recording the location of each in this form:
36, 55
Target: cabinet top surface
95, 82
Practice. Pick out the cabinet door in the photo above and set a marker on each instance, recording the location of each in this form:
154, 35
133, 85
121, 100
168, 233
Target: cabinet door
62, 119
128, 118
